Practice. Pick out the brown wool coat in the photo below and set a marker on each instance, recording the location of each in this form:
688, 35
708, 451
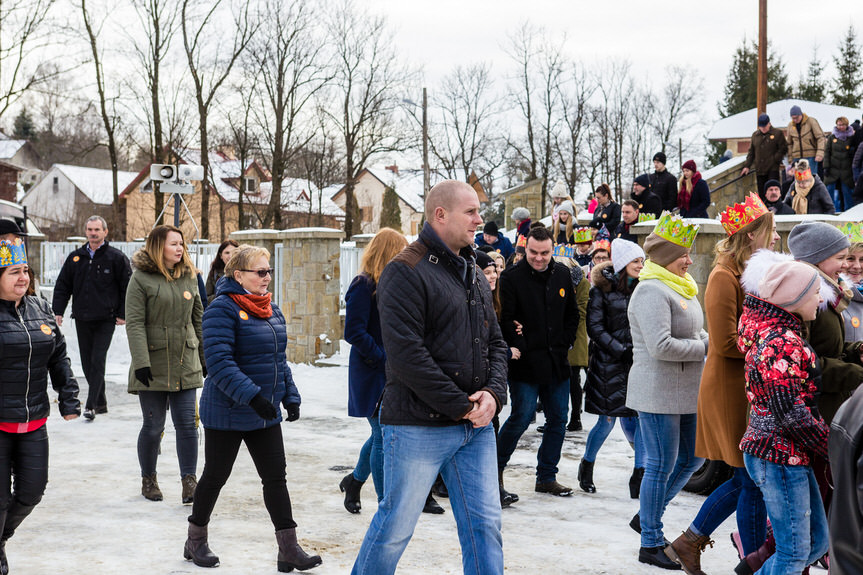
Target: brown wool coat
722, 405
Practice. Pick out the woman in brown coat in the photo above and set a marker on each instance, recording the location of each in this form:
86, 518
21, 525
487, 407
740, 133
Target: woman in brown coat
722, 403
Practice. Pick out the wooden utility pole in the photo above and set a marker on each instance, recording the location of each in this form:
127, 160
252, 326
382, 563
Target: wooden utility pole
762, 57
426, 170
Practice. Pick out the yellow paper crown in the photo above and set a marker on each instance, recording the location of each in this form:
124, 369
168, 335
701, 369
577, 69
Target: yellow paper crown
675, 230
854, 231
583, 235
12, 253
646, 217
739, 215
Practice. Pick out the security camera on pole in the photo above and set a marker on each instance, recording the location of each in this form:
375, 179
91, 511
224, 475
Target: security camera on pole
175, 181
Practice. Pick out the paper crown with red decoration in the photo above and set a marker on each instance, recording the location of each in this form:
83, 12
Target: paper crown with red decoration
675, 230
583, 236
601, 245
740, 215
854, 231
12, 253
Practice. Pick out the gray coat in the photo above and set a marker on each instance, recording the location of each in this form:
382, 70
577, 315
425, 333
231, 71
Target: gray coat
668, 348
853, 316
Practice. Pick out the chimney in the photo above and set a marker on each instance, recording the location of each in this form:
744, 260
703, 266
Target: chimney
394, 169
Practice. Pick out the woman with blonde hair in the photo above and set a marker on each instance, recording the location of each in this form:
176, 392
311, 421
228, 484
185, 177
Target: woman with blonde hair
366, 373
163, 326
565, 220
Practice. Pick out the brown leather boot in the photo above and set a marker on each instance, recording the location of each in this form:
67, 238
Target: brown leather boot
197, 549
189, 483
291, 555
687, 549
150, 488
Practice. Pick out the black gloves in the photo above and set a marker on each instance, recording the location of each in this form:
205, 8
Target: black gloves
263, 408
144, 375
293, 410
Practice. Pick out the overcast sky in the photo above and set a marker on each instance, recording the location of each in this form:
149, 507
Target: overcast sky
439, 34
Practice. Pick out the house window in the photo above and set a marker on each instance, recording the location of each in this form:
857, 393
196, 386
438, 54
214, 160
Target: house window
251, 186
55, 187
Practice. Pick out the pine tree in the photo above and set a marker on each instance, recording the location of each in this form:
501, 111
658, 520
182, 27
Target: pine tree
811, 87
741, 85
390, 210
24, 129
847, 88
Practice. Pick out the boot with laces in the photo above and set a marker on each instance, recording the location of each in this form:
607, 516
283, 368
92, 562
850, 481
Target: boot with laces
686, 550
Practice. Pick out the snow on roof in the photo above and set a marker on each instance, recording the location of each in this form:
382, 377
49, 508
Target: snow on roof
407, 183
723, 167
9, 148
296, 195
743, 124
95, 183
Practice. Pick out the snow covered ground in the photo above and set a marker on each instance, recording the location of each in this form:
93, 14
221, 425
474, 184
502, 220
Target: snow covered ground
93, 519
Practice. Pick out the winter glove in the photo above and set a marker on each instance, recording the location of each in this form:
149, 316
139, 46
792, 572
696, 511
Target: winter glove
144, 375
263, 408
204, 371
293, 410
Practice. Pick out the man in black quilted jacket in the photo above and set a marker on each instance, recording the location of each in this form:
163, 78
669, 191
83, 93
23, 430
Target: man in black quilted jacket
446, 379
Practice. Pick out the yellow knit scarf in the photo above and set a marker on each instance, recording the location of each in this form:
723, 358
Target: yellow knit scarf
685, 286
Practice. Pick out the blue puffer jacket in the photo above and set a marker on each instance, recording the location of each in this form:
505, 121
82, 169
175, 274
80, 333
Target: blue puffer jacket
245, 356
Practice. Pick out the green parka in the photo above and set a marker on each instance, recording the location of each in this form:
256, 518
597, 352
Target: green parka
163, 326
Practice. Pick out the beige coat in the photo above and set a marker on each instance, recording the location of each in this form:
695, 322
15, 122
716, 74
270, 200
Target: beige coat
810, 141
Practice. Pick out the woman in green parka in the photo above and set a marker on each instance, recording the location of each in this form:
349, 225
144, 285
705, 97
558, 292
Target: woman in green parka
163, 325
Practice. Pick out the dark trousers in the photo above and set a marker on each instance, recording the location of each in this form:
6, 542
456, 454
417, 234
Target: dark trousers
23, 475
575, 392
154, 409
268, 453
94, 339
761, 179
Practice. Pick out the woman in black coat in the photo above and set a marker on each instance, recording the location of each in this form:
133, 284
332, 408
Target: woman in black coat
693, 198
611, 358
31, 349
607, 211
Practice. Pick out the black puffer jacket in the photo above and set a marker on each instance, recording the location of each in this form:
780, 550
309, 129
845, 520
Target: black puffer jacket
610, 345
544, 304
31, 347
97, 286
440, 335
846, 466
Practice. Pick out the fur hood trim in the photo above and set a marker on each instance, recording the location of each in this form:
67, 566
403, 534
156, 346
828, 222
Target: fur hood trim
602, 277
141, 260
757, 267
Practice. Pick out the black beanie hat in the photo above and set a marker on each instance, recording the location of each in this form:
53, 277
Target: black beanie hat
771, 183
483, 260
643, 180
490, 228
660, 156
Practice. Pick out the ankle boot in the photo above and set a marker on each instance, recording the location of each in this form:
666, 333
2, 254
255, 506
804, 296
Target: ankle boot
753, 561
655, 556
585, 476
432, 506
351, 487
150, 488
635, 482
439, 488
687, 549
504, 494
189, 483
197, 550
291, 555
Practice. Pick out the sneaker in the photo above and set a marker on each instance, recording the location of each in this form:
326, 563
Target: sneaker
90, 414
553, 488
656, 556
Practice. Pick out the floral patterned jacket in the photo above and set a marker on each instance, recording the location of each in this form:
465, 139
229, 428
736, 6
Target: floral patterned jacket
782, 379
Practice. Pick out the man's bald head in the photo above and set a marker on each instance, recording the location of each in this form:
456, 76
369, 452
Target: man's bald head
445, 195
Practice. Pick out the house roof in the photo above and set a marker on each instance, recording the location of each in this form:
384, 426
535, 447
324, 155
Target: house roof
296, 195
743, 124
9, 148
95, 183
520, 187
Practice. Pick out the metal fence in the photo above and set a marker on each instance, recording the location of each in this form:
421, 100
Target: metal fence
54, 254
349, 267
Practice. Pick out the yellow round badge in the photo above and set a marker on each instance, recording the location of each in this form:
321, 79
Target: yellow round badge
243, 315
683, 304
562, 292
855, 321
45, 329
76, 258
187, 295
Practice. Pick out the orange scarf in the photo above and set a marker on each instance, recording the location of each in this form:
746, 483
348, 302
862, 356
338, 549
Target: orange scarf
259, 306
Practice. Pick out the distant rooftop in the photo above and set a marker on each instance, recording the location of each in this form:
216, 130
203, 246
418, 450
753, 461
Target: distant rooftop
743, 124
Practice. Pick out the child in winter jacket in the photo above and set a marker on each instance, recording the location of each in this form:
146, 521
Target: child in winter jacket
785, 429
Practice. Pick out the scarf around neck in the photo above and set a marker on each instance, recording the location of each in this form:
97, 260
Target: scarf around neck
800, 202
843, 134
259, 306
685, 286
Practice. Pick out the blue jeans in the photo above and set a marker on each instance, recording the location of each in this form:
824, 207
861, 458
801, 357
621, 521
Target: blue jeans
602, 428
413, 457
796, 513
843, 196
738, 494
669, 441
555, 405
371, 461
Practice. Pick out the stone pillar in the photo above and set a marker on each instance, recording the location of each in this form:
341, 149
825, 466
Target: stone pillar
362, 240
309, 291
261, 238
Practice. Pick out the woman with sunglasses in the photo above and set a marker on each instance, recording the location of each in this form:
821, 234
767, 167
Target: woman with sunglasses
248, 380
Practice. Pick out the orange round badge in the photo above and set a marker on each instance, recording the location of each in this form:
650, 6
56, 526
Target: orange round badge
187, 295
76, 258
683, 304
855, 321
562, 293
45, 329
243, 315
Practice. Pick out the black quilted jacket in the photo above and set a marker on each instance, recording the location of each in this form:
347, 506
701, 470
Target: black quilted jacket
440, 335
31, 347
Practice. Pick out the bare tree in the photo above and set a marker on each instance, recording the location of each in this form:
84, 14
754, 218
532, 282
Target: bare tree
611, 118
287, 53
210, 63
678, 104
320, 162
109, 120
244, 140
575, 92
368, 76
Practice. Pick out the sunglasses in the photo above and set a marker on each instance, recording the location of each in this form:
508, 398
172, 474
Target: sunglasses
261, 273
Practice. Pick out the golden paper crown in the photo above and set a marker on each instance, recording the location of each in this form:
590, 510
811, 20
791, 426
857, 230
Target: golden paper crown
646, 217
12, 253
601, 245
739, 215
583, 235
675, 230
854, 231
564, 251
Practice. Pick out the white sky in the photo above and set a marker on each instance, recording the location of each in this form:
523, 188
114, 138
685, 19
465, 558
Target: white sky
439, 34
